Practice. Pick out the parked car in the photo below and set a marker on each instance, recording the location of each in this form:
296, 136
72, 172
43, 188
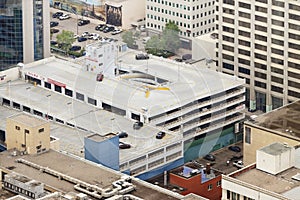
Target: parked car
95, 36
137, 125
52, 42
81, 39
57, 14
141, 56
75, 48
235, 148
54, 30
108, 29
122, 134
84, 34
123, 145
53, 24
102, 27
186, 56
238, 163
97, 28
116, 31
210, 157
64, 16
83, 22
160, 135
76, 36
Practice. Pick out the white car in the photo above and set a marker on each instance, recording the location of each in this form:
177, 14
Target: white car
95, 36
84, 34
76, 36
64, 16
116, 31
238, 163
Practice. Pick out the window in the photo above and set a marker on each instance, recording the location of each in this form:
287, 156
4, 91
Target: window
41, 130
248, 135
209, 187
26, 131
17, 128
218, 183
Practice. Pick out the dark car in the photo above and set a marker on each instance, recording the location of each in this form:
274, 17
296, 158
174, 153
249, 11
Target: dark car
75, 48
53, 42
141, 57
57, 14
210, 157
122, 134
53, 24
54, 30
81, 39
187, 57
102, 27
235, 148
137, 125
98, 27
108, 29
160, 135
123, 145
83, 22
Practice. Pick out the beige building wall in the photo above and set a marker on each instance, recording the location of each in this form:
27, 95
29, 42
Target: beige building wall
261, 137
27, 133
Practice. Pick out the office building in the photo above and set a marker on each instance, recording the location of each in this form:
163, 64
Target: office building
280, 125
193, 17
259, 41
25, 34
273, 176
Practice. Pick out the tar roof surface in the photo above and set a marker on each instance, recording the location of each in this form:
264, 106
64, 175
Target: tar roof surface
280, 183
75, 168
285, 120
185, 82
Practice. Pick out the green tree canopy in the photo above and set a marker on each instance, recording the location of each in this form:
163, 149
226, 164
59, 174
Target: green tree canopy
128, 38
153, 44
66, 38
170, 37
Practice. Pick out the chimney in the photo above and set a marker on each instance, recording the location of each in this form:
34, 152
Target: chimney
207, 168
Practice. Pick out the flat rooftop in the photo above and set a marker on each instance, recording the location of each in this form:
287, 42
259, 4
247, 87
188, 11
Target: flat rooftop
285, 120
275, 149
183, 83
100, 138
27, 120
88, 119
281, 183
82, 170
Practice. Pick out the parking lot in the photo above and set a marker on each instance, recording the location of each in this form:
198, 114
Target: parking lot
71, 25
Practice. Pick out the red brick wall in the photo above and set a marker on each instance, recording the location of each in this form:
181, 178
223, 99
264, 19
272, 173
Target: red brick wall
193, 185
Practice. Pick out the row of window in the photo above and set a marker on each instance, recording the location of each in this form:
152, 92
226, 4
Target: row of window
184, 7
19, 190
182, 33
210, 186
179, 14
41, 130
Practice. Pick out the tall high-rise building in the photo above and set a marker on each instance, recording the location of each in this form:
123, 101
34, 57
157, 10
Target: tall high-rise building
193, 17
259, 41
24, 31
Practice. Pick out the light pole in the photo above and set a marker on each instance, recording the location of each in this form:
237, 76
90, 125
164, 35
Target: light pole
48, 96
74, 12
112, 121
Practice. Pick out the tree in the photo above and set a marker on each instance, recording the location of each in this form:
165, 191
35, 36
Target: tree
170, 38
153, 45
66, 39
128, 39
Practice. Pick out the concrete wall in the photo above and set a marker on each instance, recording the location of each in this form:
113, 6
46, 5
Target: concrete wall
9, 75
46, 26
261, 138
28, 43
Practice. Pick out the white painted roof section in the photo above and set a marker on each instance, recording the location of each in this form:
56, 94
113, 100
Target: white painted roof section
186, 83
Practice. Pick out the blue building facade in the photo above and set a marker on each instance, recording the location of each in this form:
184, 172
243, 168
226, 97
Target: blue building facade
102, 150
